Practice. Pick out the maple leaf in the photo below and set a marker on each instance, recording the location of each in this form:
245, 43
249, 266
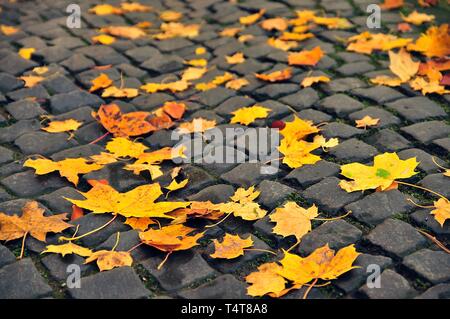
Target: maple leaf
114, 91
174, 185
386, 169
100, 82
105, 9
392, 4
68, 249
435, 42
26, 53
170, 16
191, 74
247, 115
427, 86
8, 30
205, 210
275, 76
177, 86
31, 80
242, 205
298, 129
306, 57
442, 211
322, 263
200, 50
171, 238
139, 202
69, 168
290, 36
417, 18
128, 32
163, 154
139, 223
333, 23
310, 80
232, 246
154, 170
230, 32
324, 143
109, 259
123, 147
236, 58
103, 158
104, 39
31, 222
294, 220
62, 126
279, 24
402, 65
121, 125
176, 29
236, 84
197, 125
135, 7
298, 152
367, 42
197, 62
386, 80
281, 44
251, 19
367, 121
40, 70
404, 27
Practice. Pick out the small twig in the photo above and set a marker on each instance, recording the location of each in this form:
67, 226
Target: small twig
100, 138
22, 250
423, 188
90, 232
434, 240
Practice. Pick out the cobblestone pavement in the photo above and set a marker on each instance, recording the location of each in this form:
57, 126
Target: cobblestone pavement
383, 225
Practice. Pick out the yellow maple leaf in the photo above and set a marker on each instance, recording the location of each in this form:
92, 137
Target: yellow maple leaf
442, 211
26, 53
138, 202
135, 7
191, 74
236, 84
170, 16
417, 18
275, 76
139, 223
105, 9
279, 24
174, 185
291, 36
124, 147
386, 80
298, 129
8, 30
247, 115
31, 80
242, 205
69, 168
100, 82
128, 32
236, 58
427, 86
298, 152
104, 39
333, 22
250, 19
306, 57
197, 62
232, 246
154, 170
386, 169
113, 91
310, 80
68, 249
176, 86
435, 42
367, 121
200, 50
294, 220
281, 44
109, 259
402, 65
197, 125
62, 126
103, 158
176, 29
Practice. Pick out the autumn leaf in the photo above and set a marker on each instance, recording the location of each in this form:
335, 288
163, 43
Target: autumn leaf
298, 129
298, 152
404, 27
163, 154
237, 84
323, 263
68, 249
242, 205
417, 18
236, 58
442, 211
282, 45
69, 168
197, 125
154, 170
333, 22
306, 57
204, 210
31, 80
247, 115
128, 32
294, 220
109, 259
100, 82
435, 42
191, 74
105, 9
123, 147
176, 86
135, 7
290, 36
275, 76
386, 80
62, 126
139, 223
116, 92
174, 185
366, 42
104, 39
387, 168
121, 125
232, 246
138, 202
200, 50
279, 24
26, 53
103, 158
176, 29
171, 238
31, 222
427, 86
8, 30
170, 16
392, 4
402, 65
310, 80
197, 62
251, 19
367, 121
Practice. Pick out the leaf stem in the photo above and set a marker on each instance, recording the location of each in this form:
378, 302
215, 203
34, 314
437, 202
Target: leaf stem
434, 240
88, 233
117, 241
164, 260
22, 250
334, 218
435, 162
134, 247
223, 219
100, 138
421, 206
423, 188
293, 246
305, 296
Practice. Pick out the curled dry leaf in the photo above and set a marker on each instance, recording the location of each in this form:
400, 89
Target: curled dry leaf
276, 76
367, 121
247, 115
251, 19
139, 202
232, 246
69, 168
306, 57
387, 168
100, 82
236, 58
171, 238
310, 80
109, 259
